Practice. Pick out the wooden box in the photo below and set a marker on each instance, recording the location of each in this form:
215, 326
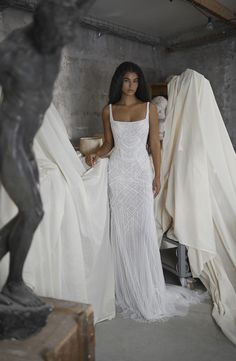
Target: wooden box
68, 336
160, 89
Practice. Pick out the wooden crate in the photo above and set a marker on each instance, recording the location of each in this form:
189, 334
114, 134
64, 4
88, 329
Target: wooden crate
159, 90
68, 336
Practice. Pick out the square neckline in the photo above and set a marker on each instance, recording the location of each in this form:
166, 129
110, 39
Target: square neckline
128, 121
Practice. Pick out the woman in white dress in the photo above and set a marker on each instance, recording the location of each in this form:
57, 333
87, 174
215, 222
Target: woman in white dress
129, 120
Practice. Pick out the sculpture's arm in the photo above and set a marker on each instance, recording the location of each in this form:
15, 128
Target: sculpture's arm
1, 70
4, 63
8, 51
1, 95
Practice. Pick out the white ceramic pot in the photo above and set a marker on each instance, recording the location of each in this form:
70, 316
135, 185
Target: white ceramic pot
89, 145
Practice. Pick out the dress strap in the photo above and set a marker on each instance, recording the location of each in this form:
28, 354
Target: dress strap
110, 112
147, 113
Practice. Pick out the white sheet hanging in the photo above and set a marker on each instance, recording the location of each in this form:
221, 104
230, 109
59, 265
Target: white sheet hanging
70, 257
198, 195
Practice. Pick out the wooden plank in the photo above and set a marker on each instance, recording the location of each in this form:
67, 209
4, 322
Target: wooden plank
215, 8
68, 336
159, 90
204, 40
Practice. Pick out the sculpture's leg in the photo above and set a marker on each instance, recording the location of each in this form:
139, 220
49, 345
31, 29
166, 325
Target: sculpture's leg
4, 235
25, 193
31, 157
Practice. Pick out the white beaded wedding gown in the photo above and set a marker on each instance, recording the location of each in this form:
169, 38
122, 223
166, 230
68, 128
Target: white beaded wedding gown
140, 288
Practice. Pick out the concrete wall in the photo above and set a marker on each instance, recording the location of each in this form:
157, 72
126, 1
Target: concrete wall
88, 64
87, 68
82, 87
217, 62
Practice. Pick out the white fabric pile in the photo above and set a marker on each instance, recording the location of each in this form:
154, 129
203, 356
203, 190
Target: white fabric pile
198, 195
70, 257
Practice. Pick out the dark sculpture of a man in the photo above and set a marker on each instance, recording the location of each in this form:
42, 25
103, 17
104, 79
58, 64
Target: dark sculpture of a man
29, 65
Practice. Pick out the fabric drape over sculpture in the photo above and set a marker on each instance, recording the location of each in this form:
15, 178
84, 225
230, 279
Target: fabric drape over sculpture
70, 257
198, 196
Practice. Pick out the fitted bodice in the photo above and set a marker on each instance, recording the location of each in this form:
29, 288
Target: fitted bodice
130, 138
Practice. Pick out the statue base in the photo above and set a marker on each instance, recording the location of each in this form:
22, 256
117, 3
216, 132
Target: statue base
68, 336
19, 322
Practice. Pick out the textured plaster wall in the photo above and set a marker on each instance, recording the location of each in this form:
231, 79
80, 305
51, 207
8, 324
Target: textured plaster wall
87, 68
88, 64
82, 87
217, 62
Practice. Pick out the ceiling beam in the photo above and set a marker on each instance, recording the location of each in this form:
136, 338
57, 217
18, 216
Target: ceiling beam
107, 27
201, 41
215, 8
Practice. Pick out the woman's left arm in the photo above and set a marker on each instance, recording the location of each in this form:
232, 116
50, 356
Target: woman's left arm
155, 147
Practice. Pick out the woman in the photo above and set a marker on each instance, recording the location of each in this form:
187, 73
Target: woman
129, 120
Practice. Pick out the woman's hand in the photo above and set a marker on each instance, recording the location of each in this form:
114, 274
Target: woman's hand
91, 159
156, 186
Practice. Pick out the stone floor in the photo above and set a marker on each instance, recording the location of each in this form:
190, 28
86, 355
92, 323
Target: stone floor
195, 337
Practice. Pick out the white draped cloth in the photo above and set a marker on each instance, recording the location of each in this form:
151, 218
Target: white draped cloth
70, 257
198, 195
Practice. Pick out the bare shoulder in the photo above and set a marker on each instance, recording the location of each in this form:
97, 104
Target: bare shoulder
8, 47
17, 39
105, 112
105, 109
16, 44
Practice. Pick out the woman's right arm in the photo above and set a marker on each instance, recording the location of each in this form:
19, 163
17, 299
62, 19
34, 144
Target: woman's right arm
108, 144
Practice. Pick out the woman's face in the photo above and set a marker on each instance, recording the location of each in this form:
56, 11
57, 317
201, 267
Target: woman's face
130, 83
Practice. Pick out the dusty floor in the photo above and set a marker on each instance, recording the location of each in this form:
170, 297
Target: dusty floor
195, 337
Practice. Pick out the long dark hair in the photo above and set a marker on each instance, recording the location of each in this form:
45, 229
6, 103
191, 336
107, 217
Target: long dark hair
117, 82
